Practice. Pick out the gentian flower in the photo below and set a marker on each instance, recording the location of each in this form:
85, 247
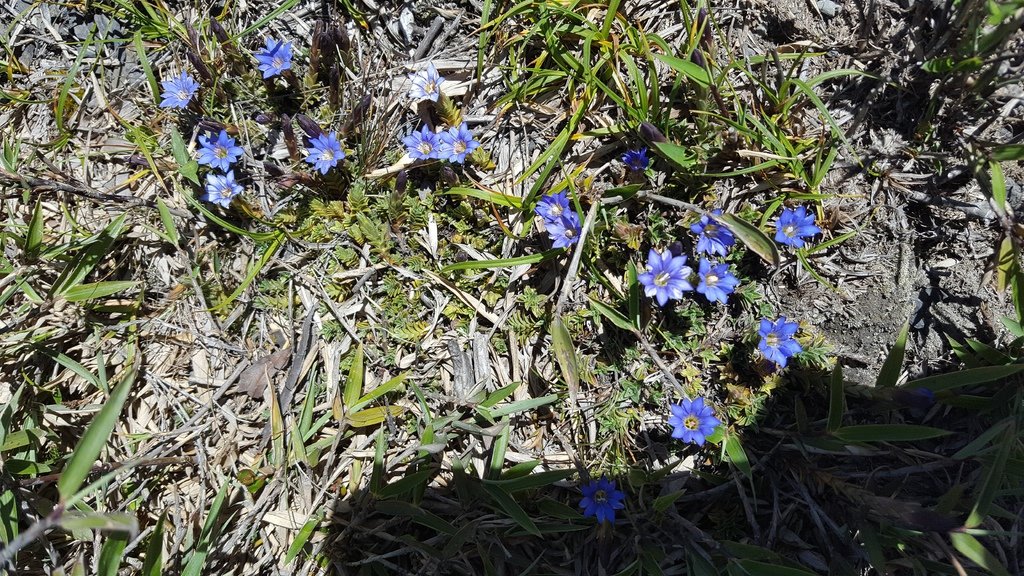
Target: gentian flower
692, 420
178, 91
426, 84
666, 276
601, 499
712, 237
552, 206
716, 282
219, 153
423, 144
221, 189
794, 225
456, 143
564, 230
777, 343
275, 58
636, 160
325, 152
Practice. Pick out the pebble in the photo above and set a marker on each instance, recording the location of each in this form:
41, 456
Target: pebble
828, 8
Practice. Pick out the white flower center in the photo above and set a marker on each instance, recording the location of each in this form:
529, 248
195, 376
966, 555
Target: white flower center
711, 279
556, 210
459, 147
710, 229
226, 192
661, 279
220, 152
183, 95
425, 147
569, 232
600, 496
772, 340
789, 230
691, 422
277, 62
327, 155
429, 87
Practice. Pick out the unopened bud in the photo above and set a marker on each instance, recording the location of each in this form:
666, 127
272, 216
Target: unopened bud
650, 133
309, 126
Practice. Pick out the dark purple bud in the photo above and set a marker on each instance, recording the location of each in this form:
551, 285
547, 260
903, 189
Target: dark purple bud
201, 69
212, 126
138, 160
193, 36
676, 248
264, 118
309, 126
333, 85
273, 169
650, 133
219, 32
341, 38
401, 181
697, 57
448, 176
358, 115
704, 25
289, 137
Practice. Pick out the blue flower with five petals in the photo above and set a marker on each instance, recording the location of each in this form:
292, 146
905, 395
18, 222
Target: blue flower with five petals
220, 153
601, 499
456, 144
276, 57
777, 343
221, 189
325, 152
178, 91
667, 276
692, 421
716, 282
712, 237
794, 225
422, 145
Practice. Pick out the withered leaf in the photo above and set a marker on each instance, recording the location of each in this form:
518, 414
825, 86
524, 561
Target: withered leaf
254, 379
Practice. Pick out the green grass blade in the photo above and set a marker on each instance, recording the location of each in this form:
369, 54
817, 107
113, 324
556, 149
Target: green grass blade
890, 372
154, 562
111, 554
836, 401
88, 449
888, 433
964, 378
208, 535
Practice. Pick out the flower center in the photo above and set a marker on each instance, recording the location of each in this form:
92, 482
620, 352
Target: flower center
569, 232
789, 230
226, 192
555, 210
711, 279
710, 229
327, 155
772, 340
691, 422
661, 279
183, 95
220, 152
277, 62
600, 496
459, 147
430, 87
425, 147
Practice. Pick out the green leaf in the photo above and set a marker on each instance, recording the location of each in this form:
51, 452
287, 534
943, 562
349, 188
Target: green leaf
970, 547
379, 391
88, 449
373, 416
994, 477
170, 229
74, 520
836, 400
755, 568
1008, 152
736, 454
503, 262
890, 372
354, 384
692, 71
111, 554
964, 378
8, 516
613, 315
488, 195
565, 354
94, 251
678, 155
210, 532
532, 481
510, 507
751, 236
146, 68
154, 562
34, 237
888, 433
95, 290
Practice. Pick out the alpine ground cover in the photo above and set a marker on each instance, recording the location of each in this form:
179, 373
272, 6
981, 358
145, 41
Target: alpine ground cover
279, 296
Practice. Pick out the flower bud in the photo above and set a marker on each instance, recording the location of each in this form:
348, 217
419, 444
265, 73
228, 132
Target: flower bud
650, 133
219, 32
309, 126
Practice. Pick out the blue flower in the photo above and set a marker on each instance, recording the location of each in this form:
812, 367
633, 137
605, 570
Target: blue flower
426, 84
456, 143
219, 153
636, 160
564, 230
601, 499
794, 225
777, 343
692, 420
666, 276
716, 282
275, 58
325, 152
712, 237
221, 189
552, 206
178, 91
423, 144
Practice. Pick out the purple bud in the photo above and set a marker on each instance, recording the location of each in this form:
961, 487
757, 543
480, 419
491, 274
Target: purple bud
401, 181
219, 32
650, 133
358, 114
273, 169
341, 38
448, 176
333, 84
289, 137
201, 69
704, 25
264, 118
697, 57
309, 126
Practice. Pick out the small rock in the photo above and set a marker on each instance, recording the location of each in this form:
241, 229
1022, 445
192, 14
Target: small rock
828, 8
